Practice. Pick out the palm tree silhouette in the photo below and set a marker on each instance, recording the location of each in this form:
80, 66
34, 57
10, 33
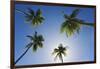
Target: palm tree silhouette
35, 43
35, 18
72, 24
59, 52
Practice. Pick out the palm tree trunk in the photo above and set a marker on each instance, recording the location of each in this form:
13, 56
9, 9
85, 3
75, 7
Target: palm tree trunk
61, 58
88, 24
23, 54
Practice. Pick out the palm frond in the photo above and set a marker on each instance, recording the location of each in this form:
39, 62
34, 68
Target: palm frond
40, 44
66, 16
55, 51
64, 53
28, 18
63, 26
40, 37
31, 12
35, 47
40, 20
30, 15
75, 13
56, 56
31, 37
39, 12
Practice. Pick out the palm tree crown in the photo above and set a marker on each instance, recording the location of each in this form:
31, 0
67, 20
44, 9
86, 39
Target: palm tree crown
35, 18
36, 41
60, 52
72, 24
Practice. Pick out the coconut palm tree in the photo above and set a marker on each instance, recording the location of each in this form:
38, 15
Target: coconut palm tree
36, 41
35, 18
59, 52
72, 24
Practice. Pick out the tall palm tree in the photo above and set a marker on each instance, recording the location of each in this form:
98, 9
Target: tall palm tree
59, 52
72, 24
35, 43
35, 18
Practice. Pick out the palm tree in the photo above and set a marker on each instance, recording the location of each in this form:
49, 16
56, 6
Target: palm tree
59, 52
35, 43
35, 18
72, 24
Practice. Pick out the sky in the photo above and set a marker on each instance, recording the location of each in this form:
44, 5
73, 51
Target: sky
80, 46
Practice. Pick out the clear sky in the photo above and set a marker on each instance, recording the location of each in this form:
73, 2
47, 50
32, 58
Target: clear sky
81, 46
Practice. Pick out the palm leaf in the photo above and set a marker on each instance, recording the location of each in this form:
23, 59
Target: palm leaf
63, 26
28, 18
75, 13
40, 45
39, 12
56, 56
30, 15
35, 47
66, 16
55, 51
40, 19
31, 37
40, 37
64, 53
31, 12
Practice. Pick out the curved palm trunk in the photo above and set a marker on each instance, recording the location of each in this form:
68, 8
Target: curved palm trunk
88, 24
23, 54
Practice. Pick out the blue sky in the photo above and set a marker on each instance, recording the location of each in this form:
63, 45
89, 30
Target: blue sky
81, 46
